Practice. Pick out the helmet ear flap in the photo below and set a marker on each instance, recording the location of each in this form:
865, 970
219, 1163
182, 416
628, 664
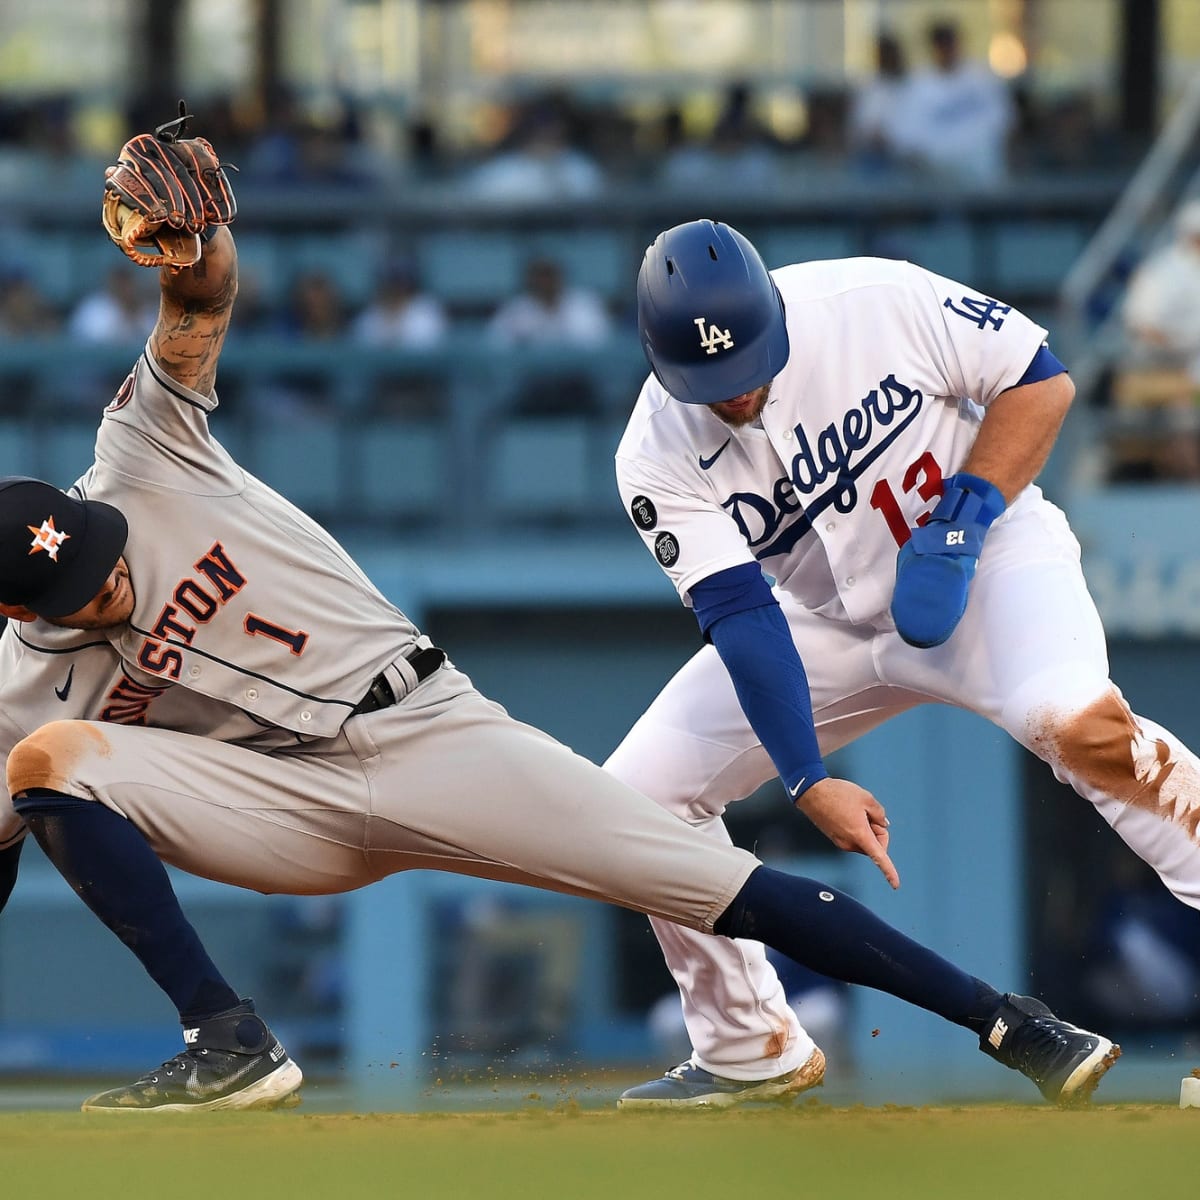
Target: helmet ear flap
711, 320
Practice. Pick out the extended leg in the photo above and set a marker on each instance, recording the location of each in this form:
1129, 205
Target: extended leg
1030, 655
694, 754
231, 1059
833, 934
1142, 779
747, 1042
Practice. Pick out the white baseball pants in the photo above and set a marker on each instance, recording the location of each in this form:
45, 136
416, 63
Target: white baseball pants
1029, 654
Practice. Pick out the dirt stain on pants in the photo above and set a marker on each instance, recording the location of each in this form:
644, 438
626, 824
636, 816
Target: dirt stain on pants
1104, 747
49, 757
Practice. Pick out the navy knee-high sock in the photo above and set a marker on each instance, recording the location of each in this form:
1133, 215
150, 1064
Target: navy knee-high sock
108, 862
831, 933
9, 858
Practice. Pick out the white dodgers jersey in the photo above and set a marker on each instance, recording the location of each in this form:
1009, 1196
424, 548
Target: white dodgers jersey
888, 375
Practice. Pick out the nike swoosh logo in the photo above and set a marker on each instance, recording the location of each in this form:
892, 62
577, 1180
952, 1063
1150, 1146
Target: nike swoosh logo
705, 463
795, 791
63, 692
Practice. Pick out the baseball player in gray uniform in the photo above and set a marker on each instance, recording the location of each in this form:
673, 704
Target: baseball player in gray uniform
195, 672
866, 433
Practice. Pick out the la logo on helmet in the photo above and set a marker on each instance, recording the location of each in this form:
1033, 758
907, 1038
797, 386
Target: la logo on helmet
715, 338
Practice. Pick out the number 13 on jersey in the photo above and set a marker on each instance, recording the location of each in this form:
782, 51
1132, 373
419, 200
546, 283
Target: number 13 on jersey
925, 478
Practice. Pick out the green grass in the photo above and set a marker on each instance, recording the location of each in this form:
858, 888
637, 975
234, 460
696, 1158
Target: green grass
812, 1152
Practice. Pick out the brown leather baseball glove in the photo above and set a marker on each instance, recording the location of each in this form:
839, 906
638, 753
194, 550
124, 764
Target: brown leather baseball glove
164, 194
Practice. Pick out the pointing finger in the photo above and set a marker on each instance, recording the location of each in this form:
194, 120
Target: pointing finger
885, 864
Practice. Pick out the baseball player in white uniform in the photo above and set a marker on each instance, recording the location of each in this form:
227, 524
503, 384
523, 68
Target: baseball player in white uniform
866, 434
194, 671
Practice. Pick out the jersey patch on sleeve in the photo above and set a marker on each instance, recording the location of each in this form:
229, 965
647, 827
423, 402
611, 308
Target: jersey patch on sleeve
643, 512
666, 549
124, 394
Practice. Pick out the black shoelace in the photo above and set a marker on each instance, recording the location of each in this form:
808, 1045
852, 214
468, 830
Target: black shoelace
1036, 1041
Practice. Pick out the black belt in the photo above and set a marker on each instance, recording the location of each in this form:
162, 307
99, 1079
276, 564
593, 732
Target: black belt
380, 695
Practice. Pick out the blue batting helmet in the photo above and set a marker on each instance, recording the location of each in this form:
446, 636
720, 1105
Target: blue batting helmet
710, 317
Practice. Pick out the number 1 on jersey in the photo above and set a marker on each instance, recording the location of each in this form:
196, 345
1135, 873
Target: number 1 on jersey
294, 640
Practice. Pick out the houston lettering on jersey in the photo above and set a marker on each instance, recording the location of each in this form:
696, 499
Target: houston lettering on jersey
773, 524
129, 701
199, 601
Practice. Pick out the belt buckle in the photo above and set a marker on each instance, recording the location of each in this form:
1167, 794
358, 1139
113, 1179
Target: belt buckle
381, 691
424, 660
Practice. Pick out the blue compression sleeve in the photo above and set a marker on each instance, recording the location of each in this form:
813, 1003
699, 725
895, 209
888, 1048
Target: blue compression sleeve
1044, 366
735, 589
756, 647
738, 613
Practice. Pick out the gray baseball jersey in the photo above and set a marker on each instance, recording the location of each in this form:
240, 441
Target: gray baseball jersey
219, 718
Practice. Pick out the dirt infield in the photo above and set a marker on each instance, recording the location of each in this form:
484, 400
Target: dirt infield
813, 1150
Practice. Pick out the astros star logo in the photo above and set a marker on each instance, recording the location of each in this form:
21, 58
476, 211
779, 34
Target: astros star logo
46, 538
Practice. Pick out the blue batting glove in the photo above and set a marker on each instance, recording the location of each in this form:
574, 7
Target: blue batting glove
936, 564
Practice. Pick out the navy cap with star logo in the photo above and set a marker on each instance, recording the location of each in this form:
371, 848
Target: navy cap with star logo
56, 551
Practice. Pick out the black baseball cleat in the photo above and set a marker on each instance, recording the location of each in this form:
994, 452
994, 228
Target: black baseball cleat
1066, 1062
232, 1061
690, 1086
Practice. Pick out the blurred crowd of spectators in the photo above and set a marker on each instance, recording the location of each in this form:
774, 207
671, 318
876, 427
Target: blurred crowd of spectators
122, 307
930, 115
547, 311
1155, 389
945, 118
929, 108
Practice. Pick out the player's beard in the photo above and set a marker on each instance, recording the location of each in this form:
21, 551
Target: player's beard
744, 409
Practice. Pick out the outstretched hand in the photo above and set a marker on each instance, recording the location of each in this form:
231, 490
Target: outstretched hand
852, 819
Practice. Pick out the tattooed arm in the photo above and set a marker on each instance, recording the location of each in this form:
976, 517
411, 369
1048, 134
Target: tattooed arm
193, 314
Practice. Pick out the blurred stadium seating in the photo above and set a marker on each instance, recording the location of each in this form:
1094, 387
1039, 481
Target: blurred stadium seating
333, 453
